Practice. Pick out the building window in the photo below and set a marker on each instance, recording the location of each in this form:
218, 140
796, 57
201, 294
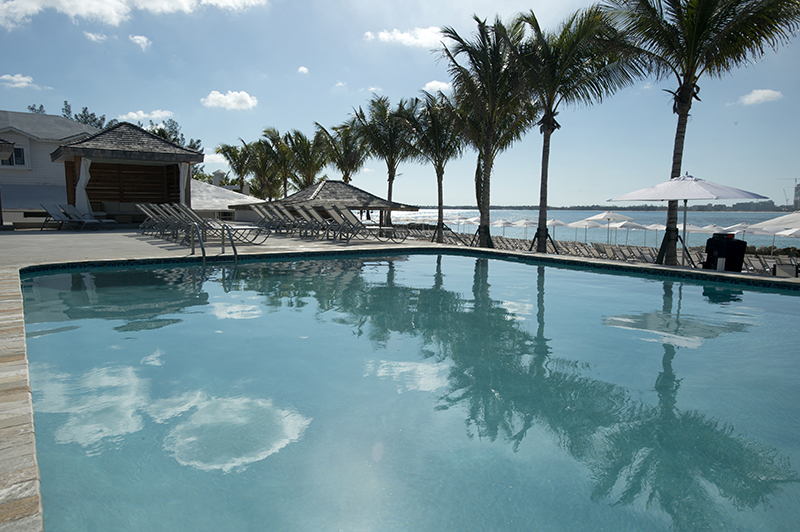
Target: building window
17, 158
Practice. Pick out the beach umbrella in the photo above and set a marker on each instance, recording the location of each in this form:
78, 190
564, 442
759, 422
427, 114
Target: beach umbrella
687, 188
525, 223
656, 228
793, 233
457, 219
627, 225
586, 225
555, 223
609, 217
502, 223
788, 221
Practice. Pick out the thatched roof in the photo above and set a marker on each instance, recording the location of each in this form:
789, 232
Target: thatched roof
127, 142
341, 193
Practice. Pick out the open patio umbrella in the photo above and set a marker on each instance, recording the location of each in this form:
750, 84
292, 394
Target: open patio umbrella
788, 221
555, 223
656, 228
609, 217
525, 223
627, 225
502, 223
586, 225
687, 188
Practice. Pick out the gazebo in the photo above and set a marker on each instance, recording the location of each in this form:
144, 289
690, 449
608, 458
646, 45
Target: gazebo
126, 164
330, 192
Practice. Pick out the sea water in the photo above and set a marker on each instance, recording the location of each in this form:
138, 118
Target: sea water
420, 392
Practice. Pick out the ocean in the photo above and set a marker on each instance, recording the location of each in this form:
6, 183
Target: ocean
604, 234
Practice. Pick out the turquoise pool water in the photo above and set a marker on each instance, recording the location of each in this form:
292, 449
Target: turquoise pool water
421, 392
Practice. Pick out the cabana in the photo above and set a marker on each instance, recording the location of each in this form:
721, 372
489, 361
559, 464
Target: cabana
123, 165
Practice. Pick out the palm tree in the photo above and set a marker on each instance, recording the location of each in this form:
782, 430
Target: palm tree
307, 157
685, 39
490, 100
262, 165
580, 63
345, 148
386, 137
437, 139
237, 159
279, 152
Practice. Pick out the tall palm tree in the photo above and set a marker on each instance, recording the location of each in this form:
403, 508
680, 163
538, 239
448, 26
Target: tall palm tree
308, 158
686, 39
262, 165
387, 138
437, 139
345, 148
492, 106
275, 144
238, 160
580, 63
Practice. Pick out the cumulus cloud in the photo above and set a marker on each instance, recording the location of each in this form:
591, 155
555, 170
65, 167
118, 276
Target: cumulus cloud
302, 70
232, 100
95, 37
436, 86
16, 12
760, 96
158, 115
215, 158
373, 89
141, 41
420, 37
17, 81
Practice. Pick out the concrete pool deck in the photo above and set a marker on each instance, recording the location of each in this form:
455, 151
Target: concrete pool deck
20, 500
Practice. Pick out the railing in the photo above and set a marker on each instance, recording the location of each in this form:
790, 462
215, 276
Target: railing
195, 229
227, 229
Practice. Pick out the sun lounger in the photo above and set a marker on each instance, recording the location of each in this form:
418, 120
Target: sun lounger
57, 213
245, 233
395, 234
75, 214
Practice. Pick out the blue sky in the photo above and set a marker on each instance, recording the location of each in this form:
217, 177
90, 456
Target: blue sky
226, 69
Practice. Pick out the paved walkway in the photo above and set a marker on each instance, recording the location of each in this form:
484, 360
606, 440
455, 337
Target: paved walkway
20, 500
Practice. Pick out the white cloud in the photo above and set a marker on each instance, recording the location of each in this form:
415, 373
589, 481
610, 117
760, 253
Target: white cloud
760, 96
95, 37
302, 70
232, 100
372, 89
214, 158
340, 86
141, 41
112, 12
422, 37
436, 86
17, 81
140, 116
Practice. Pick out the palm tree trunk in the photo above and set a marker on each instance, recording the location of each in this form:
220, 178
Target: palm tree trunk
541, 231
388, 213
440, 222
484, 238
668, 254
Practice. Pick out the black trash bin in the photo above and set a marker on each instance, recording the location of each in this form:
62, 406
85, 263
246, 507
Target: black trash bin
724, 253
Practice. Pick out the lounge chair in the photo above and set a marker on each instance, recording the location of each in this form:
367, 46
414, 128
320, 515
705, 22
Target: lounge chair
240, 232
75, 214
395, 234
55, 213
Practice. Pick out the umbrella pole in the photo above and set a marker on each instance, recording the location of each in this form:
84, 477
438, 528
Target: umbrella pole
683, 255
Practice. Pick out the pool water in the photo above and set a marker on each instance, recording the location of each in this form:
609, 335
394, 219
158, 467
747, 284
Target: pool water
420, 392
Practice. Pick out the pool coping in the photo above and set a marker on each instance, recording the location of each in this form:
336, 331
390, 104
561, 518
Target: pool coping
20, 495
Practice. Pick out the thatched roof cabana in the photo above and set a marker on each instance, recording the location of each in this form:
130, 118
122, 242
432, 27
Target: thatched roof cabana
126, 163
341, 193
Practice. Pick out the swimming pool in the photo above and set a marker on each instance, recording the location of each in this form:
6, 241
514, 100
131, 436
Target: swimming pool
414, 392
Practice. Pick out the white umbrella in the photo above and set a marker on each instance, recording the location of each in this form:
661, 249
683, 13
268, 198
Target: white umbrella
627, 225
586, 225
656, 228
609, 217
552, 222
525, 223
788, 221
794, 233
687, 188
502, 223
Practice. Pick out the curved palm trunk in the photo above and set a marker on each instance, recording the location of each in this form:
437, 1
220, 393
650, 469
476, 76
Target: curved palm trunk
541, 230
387, 215
668, 254
484, 237
440, 223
